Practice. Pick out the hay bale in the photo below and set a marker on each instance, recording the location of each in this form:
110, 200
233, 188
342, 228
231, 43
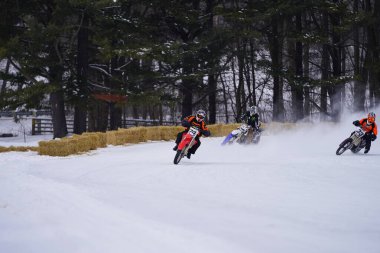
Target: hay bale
67, 146
135, 135
3, 149
98, 140
163, 133
219, 130
155, 133
18, 149
111, 137
51, 148
91, 141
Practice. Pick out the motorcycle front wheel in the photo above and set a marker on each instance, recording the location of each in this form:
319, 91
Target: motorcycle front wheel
344, 146
178, 156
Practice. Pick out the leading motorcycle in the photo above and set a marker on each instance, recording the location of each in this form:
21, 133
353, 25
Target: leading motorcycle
188, 140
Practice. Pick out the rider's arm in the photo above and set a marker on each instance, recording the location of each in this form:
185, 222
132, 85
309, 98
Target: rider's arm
204, 130
186, 121
374, 130
206, 133
356, 123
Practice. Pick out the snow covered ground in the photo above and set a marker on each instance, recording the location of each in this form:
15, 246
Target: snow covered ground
289, 194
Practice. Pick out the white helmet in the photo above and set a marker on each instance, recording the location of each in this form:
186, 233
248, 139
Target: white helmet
371, 118
253, 109
200, 115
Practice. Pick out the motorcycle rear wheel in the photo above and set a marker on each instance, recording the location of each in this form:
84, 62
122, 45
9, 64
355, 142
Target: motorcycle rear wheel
344, 146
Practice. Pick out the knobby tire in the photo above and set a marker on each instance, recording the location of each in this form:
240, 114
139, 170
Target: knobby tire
178, 156
343, 146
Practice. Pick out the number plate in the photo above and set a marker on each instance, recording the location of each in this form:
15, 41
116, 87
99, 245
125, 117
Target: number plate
193, 131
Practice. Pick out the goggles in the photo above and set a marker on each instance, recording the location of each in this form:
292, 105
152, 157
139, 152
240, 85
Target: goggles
199, 116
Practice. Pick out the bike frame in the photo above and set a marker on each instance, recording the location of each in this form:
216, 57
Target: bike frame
188, 139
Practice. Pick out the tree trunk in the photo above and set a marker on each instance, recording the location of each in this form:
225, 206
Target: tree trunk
240, 90
80, 113
307, 109
4, 84
325, 69
57, 103
187, 87
275, 48
212, 98
225, 99
335, 91
373, 50
236, 93
298, 89
295, 69
115, 109
252, 61
115, 116
98, 116
212, 65
187, 97
359, 84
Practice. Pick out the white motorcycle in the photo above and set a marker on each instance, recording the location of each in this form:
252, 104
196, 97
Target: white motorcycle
355, 142
242, 134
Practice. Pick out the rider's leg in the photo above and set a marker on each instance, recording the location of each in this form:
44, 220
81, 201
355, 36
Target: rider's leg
178, 140
367, 143
195, 146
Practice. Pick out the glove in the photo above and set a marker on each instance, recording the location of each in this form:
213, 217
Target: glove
356, 123
373, 137
206, 133
185, 123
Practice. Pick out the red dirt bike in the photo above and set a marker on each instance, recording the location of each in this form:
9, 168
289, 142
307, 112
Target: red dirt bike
188, 140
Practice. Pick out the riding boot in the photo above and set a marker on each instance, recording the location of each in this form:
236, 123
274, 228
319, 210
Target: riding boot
195, 147
178, 140
367, 146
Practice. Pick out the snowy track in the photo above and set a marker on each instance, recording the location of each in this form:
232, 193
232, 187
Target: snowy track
284, 195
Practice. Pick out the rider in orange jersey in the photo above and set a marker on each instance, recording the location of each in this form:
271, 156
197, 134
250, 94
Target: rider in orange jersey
198, 121
369, 127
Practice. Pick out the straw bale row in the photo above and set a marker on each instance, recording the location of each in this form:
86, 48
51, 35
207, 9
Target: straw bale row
18, 149
78, 144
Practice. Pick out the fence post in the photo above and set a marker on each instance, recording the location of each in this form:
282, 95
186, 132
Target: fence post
33, 126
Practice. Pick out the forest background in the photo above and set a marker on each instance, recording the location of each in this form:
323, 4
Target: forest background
103, 60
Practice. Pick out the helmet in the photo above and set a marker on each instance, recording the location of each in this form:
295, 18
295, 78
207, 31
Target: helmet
200, 115
253, 109
371, 118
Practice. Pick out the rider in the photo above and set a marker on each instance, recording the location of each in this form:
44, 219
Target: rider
369, 127
198, 121
251, 117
